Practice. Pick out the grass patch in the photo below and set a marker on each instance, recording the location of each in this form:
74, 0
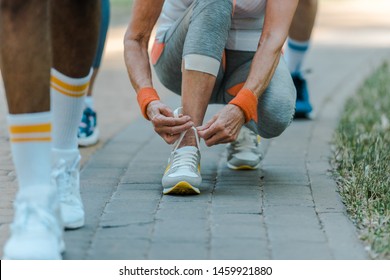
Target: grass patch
362, 161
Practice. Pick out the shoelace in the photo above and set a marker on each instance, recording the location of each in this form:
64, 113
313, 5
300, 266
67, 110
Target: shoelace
65, 177
185, 159
177, 143
188, 158
27, 210
245, 140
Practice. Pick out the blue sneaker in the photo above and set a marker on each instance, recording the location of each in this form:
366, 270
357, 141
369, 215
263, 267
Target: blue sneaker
303, 106
88, 133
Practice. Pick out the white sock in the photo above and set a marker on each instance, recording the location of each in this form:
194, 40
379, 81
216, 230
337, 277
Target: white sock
294, 54
30, 137
67, 105
89, 102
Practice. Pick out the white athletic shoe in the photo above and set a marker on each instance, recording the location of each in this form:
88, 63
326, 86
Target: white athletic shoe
182, 175
66, 177
244, 153
36, 232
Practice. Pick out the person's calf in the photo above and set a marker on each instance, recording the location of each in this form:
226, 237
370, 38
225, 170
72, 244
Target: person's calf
25, 47
74, 42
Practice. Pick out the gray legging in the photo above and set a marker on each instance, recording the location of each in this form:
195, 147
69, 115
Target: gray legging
200, 35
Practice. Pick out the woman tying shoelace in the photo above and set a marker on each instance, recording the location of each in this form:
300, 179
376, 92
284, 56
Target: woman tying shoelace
212, 51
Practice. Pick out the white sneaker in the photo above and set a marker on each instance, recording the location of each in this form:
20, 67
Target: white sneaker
182, 175
66, 177
244, 153
36, 232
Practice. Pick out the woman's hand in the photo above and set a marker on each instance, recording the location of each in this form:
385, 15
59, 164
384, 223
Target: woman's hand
223, 127
164, 122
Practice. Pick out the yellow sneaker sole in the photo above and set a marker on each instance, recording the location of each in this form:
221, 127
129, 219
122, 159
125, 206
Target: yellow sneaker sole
243, 167
182, 188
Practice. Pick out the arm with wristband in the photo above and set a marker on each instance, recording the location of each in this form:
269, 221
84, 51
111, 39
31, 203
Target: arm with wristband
223, 128
144, 16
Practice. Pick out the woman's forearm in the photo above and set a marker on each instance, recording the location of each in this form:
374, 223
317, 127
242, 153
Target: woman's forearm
137, 63
144, 16
278, 17
263, 66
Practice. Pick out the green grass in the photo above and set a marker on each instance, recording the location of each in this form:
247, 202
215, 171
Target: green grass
362, 161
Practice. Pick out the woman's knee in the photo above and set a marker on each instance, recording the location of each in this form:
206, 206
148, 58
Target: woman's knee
215, 7
169, 79
209, 28
275, 115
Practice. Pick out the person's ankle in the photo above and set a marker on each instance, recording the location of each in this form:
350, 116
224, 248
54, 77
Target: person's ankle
188, 140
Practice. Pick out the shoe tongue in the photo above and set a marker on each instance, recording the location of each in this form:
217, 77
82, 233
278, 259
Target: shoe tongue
187, 149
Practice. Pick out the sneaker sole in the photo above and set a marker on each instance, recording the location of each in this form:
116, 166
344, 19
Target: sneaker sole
89, 141
62, 251
182, 188
302, 116
302, 110
62, 246
75, 225
243, 167
6, 258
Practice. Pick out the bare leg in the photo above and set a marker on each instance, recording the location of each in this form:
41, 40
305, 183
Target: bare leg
303, 21
80, 33
92, 82
196, 91
104, 20
25, 70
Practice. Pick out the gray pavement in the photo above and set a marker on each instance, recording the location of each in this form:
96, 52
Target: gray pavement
289, 209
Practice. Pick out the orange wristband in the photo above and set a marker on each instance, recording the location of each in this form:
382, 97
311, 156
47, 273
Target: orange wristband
144, 97
247, 101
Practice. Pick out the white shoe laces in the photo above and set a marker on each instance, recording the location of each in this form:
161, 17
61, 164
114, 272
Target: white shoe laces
188, 157
65, 177
26, 211
185, 159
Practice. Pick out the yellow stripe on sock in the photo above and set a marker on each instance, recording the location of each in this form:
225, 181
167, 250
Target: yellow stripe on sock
69, 87
36, 128
67, 93
42, 139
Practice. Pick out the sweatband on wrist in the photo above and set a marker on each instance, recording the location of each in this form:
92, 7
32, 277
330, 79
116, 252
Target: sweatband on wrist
144, 97
247, 101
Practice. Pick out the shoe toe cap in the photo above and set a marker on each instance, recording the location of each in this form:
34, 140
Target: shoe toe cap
33, 247
72, 216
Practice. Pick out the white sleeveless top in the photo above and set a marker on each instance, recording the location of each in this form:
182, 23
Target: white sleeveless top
245, 31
